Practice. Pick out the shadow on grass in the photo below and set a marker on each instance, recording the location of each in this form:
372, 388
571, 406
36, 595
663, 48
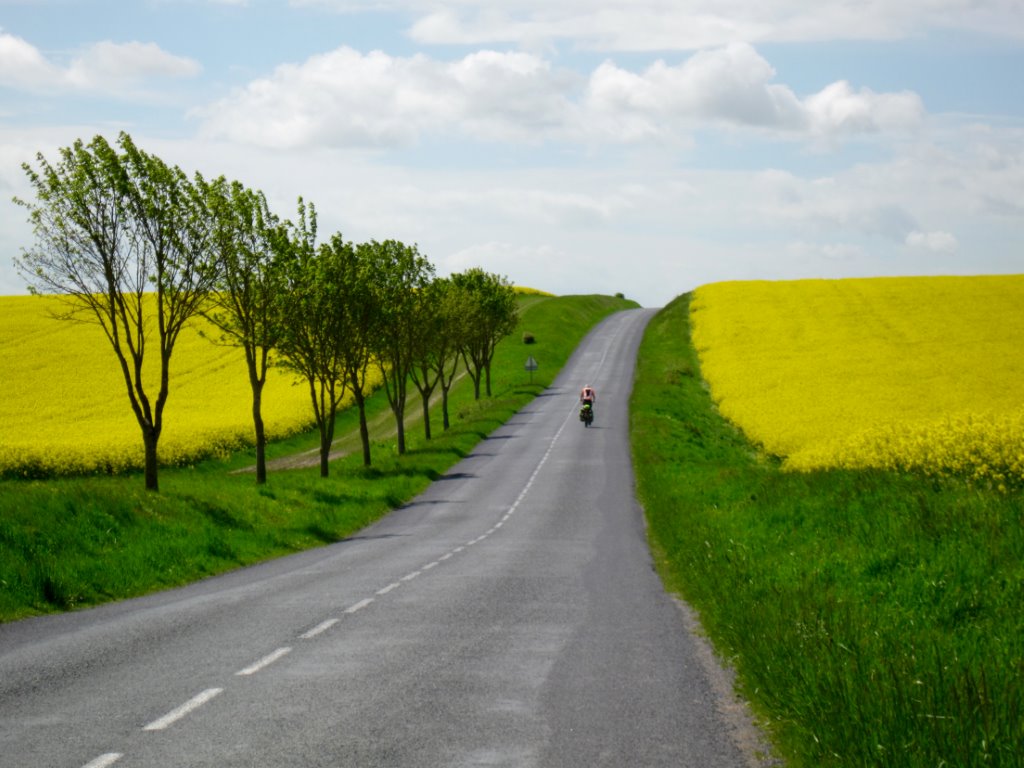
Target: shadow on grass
217, 514
454, 450
333, 498
376, 473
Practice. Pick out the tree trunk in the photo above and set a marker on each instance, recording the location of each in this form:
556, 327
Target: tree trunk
395, 390
325, 456
487, 371
364, 430
150, 438
426, 414
326, 439
474, 374
400, 428
444, 408
261, 438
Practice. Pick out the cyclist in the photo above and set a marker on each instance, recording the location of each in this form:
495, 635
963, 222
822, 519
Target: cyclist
588, 395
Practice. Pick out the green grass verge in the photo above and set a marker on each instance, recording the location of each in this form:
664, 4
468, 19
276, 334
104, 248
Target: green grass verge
873, 618
73, 542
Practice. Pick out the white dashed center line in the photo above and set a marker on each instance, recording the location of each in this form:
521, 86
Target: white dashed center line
266, 661
103, 760
176, 714
359, 606
323, 626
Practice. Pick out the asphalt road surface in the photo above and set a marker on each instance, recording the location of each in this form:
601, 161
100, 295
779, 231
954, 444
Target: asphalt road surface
509, 616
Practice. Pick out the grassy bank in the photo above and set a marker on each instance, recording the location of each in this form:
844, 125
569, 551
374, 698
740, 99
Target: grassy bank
873, 618
73, 542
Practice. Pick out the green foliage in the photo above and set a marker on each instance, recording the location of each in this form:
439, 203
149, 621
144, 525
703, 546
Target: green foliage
397, 276
874, 618
69, 543
113, 229
243, 304
316, 325
489, 313
437, 325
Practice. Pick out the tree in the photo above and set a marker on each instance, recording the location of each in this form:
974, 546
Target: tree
397, 273
124, 238
357, 301
439, 323
314, 324
490, 313
243, 305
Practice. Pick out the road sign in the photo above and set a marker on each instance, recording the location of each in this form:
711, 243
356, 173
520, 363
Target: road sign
531, 366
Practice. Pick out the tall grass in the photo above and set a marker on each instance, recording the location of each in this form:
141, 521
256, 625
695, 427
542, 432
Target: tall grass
874, 618
72, 542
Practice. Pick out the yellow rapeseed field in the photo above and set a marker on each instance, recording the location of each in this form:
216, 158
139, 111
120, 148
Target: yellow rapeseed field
923, 373
64, 406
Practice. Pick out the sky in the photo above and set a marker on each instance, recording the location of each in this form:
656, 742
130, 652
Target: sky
642, 147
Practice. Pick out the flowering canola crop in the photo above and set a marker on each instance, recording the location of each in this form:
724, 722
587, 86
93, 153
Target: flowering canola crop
64, 405
922, 374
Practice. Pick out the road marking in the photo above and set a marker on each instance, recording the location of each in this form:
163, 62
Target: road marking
323, 626
359, 606
103, 760
266, 661
176, 714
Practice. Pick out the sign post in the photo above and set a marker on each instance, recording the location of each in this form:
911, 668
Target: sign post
531, 366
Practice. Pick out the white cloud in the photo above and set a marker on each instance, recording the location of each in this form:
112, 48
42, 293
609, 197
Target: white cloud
661, 25
837, 109
729, 85
732, 86
23, 66
346, 98
515, 260
936, 242
102, 67
108, 66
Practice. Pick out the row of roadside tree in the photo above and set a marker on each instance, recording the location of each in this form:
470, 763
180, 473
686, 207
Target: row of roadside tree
141, 249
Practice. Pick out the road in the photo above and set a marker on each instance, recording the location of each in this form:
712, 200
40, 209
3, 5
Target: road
509, 616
